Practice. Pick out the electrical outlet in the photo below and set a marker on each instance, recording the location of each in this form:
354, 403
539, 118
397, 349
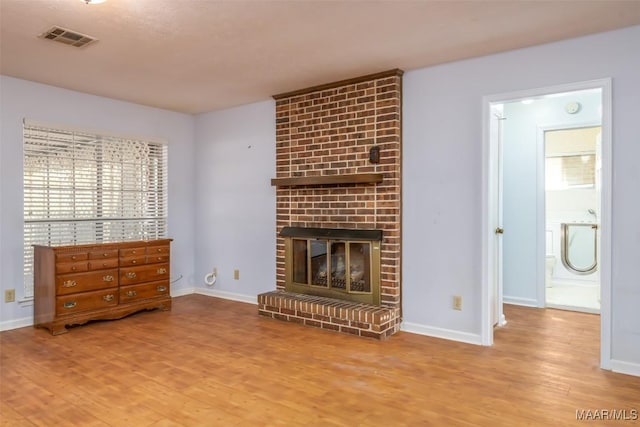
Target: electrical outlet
9, 295
457, 302
236, 274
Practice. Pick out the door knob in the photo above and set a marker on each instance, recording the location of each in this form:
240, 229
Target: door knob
499, 230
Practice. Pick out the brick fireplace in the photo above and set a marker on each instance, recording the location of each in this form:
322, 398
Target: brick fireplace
338, 166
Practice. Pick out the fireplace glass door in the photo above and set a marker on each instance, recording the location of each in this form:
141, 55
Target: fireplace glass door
335, 268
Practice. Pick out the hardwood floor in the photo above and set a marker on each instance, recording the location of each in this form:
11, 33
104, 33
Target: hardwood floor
212, 362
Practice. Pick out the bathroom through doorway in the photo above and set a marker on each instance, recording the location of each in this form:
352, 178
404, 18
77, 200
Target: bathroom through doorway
518, 242
572, 210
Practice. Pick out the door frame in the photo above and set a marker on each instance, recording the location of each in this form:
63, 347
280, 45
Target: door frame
490, 171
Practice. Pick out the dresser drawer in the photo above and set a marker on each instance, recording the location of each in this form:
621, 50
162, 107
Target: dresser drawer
154, 259
71, 257
103, 254
158, 250
86, 301
101, 264
139, 260
144, 291
71, 267
144, 273
73, 283
132, 252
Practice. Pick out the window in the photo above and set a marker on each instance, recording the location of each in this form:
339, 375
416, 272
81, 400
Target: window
570, 171
570, 157
82, 187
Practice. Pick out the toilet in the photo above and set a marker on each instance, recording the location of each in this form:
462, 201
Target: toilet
550, 263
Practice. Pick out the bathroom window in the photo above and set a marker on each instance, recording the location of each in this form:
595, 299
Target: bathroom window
570, 171
570, 159
83, 187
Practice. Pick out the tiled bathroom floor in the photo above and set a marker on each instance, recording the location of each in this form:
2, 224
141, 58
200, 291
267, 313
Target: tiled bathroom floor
574, 297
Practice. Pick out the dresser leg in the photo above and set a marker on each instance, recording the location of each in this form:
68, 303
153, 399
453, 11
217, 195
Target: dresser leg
58, 329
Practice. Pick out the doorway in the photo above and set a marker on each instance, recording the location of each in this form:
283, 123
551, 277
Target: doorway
572, 154
525, 234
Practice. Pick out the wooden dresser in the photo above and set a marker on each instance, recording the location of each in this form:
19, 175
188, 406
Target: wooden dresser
76, 284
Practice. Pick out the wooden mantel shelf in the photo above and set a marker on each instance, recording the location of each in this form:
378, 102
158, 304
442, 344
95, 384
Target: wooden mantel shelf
358, 178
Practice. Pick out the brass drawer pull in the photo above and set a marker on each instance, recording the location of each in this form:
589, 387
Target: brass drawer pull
131, 293
108, 278
134, 262
161, 288
69, 284
105, 255
161, 270
131, 275
108, 298
133, 252
74, 257
70, 304
74, 268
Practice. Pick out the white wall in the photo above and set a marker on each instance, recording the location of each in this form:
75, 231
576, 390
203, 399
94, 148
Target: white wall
442, 177
23, 99
235, 215
521, 147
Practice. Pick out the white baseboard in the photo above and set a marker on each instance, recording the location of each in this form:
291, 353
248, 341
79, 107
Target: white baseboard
627, 368
526, 302
182, 292
250, 299
16, 323
446, 334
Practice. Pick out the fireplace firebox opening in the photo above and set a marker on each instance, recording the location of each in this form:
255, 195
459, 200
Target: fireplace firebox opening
336, 263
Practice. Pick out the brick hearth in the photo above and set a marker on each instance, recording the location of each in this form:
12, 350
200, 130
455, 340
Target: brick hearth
343, 316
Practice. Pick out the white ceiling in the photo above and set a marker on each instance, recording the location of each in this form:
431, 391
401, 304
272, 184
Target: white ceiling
195, 56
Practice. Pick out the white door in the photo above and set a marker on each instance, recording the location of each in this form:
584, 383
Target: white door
497, 314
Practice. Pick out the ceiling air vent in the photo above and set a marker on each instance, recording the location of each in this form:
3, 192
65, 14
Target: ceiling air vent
65, 36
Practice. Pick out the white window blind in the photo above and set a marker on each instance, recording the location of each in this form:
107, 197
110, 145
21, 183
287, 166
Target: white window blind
81, 187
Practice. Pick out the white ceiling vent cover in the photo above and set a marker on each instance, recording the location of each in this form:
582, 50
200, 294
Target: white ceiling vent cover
70, 37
